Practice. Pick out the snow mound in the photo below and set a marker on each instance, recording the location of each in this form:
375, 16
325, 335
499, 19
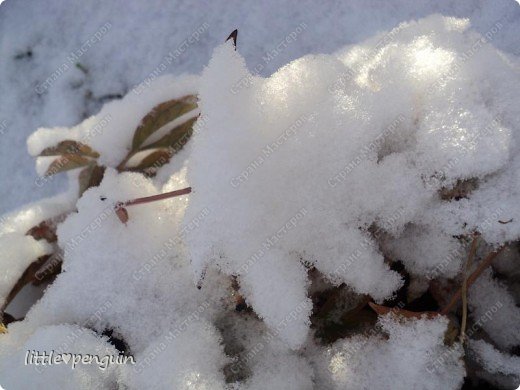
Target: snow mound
317, 163
415, 349
67, 339
494, 307
194, 360
497, 362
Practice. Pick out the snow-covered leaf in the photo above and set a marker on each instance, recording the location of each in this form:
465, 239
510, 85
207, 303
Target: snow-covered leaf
161, 115
66, 162
70, 147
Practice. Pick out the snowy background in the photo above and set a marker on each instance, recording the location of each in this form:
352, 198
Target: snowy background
41, 86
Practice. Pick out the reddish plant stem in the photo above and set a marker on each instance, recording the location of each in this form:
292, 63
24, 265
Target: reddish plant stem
153, 198
471, 279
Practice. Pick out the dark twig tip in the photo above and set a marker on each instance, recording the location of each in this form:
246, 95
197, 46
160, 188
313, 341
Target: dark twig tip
233, 36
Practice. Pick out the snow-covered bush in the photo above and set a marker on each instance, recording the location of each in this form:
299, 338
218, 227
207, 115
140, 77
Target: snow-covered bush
385, 172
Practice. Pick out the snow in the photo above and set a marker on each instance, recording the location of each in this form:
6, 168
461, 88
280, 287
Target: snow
61, 339
256, 350
194, 360
336, 163
414, 349
278, 214
497, 362
28, 216
489, 293
281, 371
427, 251
125, 55
153, 296
18, 252
154, 274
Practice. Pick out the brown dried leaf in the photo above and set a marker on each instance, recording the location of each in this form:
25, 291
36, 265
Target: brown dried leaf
7, 319
460, 190
122, 214
442, 290
382, 310
451, 334
49, 270
66, 163
155, 160
91, 176
27, 277
161, 115
44, 231
70, 147
176, 138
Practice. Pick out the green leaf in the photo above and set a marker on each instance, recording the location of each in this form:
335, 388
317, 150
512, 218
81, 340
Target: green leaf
70, 147
66, 163
161, 115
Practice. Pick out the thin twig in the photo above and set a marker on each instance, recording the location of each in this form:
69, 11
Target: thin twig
467, 267
481, 267
153, 198
120, 207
